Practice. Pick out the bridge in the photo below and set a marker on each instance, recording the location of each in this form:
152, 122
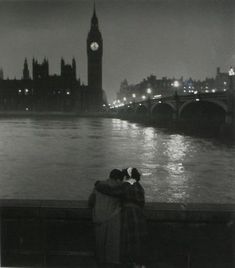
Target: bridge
214, 111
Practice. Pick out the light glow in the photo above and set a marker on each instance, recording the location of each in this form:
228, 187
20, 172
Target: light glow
176, 83
157, 96
231, 72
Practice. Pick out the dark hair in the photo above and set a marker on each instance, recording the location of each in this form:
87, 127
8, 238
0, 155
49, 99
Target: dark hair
135, 174
116, 174
125, 174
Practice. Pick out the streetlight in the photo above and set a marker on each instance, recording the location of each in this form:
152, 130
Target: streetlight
143, 97
176, 83
124, 98
134, 96
149, 91
231, 71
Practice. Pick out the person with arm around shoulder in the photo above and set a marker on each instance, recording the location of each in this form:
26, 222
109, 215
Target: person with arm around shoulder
133, 222
107, 223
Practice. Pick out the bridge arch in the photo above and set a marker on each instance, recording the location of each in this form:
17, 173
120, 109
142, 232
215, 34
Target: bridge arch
154, 106
125, 110
163, 112
216, 102
141, 109
205, 113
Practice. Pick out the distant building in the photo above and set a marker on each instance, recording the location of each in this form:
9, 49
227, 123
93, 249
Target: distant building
43, 92
168, 86
59, 92
221, 80
164, 86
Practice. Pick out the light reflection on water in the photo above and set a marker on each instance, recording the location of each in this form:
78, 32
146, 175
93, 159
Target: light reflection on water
177, 149
56, 158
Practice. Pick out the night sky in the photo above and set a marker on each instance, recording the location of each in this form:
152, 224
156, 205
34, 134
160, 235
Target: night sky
173, 38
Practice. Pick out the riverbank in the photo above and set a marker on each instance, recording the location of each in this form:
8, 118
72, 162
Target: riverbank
46, 233
53, 114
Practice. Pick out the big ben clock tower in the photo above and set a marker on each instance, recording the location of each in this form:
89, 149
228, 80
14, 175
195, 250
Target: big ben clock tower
94, 55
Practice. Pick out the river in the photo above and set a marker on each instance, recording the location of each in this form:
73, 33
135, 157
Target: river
60, 158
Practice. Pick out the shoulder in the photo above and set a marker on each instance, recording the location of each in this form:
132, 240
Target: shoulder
140, 187
105, 182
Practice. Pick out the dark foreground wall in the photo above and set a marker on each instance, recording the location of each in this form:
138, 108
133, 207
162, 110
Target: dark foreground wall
60, 233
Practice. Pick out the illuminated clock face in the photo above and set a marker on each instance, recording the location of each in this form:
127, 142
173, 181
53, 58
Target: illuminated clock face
94, 46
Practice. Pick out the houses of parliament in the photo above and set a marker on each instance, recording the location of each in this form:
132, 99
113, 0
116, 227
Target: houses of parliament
63, 92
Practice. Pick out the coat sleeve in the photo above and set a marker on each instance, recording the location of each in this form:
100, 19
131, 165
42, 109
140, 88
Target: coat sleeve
104, 188
141, 196
136, 195
142, 199
91, 200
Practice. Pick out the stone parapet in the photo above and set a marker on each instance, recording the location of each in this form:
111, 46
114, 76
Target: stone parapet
60, 233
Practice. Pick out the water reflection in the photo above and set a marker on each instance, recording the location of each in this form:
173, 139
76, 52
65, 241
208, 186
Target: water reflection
177, 179
177, 148
62, 158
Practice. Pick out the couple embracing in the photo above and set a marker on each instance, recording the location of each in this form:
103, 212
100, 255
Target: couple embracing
120, 227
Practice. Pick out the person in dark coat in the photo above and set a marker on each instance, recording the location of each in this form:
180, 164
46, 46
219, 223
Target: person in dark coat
133, 222
106, 218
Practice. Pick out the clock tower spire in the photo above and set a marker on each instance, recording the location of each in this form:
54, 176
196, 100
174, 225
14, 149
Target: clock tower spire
94, 57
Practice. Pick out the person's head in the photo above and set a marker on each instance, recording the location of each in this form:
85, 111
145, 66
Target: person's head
132, 173
125, 174
116, 174
135, 174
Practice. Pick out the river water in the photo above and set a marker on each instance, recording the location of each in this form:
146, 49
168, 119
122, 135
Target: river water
61, 158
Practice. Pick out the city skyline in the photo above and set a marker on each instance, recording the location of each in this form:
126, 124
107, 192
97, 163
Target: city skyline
164, 38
